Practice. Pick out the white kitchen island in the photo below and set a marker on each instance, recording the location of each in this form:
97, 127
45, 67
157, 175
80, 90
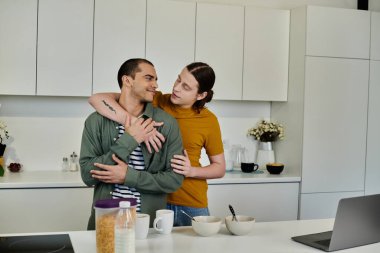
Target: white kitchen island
265, 237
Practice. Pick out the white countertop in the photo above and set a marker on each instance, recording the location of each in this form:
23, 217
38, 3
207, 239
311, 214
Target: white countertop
41, 179
265, 237
238, 177
58, 179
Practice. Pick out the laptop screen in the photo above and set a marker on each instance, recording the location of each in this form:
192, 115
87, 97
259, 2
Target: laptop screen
357, 223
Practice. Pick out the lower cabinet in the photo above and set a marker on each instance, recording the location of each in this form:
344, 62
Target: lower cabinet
264, 201
45, 209
322, 205
68, 209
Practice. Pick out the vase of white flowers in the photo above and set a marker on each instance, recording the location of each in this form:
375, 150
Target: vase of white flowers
3, 136
266, 133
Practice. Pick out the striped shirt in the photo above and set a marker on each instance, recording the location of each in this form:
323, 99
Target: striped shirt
136, 161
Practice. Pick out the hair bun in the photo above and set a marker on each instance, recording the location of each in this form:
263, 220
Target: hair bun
209, 96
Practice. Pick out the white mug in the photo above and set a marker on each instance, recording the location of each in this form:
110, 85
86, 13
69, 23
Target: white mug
163, 223
142, 225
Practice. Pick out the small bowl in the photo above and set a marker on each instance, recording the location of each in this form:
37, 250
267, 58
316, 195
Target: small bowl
242, 226
275, 168
14, 167
206, 225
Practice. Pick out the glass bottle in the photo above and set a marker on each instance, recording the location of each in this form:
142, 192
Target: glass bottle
125, 228
238, 154
74, 162
228, 156
65, 164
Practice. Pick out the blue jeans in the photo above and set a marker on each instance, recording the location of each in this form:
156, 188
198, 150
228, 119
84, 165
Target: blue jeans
181, 219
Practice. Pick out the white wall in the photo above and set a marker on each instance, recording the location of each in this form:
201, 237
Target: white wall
45, 129
374, 5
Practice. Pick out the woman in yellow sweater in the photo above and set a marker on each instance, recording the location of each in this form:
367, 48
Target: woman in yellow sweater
199, 129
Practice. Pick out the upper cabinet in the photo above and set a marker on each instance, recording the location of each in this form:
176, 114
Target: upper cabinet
64, 58
266, 54
219, 43
18, 33
375, 36
373, 135
335, 98
77, 46
170, 39
372, 174
337, 32
326, 111
119, 34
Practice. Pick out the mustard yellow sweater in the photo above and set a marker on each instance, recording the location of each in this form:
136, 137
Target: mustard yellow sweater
198, 130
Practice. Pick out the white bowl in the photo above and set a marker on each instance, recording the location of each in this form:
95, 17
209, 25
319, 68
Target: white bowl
243, 226
206, 225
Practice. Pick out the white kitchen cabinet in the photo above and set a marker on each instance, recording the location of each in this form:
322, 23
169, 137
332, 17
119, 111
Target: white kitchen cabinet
119, 34
265, 202
372, 178
326, 113
337, 32
64, 55
335, 124
375, 35
81, 45
322, 205
18, 33
170, 39
219, 42
45, 209
266, 51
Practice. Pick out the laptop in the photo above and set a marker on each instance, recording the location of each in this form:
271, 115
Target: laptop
357, 223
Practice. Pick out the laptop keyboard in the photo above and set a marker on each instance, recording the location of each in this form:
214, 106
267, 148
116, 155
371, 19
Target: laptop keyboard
325, 242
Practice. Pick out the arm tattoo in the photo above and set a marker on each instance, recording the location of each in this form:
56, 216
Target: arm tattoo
109, 107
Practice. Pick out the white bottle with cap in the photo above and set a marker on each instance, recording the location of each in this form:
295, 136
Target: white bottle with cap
74, 166
125, 229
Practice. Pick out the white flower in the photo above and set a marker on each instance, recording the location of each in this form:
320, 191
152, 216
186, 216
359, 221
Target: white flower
267, 131
2, 125
3, 132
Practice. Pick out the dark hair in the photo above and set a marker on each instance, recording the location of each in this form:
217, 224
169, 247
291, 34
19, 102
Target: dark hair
205, 77
130, 68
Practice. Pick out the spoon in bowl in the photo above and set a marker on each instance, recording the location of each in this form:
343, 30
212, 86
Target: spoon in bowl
233, 213
188, 215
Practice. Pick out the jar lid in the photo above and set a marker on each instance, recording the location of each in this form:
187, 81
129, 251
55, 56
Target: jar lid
114, 203
124, 204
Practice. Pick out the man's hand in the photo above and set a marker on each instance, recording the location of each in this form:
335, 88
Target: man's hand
139, 129
143, 130
154, 138
181, 165
112, 174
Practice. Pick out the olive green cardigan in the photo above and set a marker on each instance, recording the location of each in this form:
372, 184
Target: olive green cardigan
154, 182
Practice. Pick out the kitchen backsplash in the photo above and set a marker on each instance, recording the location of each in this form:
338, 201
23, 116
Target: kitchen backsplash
45, 129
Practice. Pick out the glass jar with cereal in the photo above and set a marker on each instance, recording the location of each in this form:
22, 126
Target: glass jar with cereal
105, 215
